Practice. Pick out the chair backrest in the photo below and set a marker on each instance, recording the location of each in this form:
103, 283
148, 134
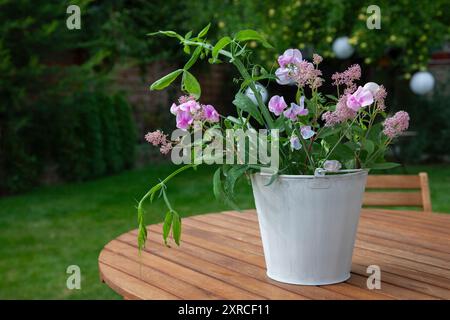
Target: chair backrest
418, 194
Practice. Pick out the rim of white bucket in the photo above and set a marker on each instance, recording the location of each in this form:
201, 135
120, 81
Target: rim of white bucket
310, 176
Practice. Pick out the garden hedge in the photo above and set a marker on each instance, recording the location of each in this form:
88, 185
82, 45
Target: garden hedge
86, 135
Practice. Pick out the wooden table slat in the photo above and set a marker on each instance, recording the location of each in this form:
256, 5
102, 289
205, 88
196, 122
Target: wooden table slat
131, 287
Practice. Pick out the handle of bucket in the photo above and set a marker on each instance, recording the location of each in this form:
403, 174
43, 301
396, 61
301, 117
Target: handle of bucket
321, 172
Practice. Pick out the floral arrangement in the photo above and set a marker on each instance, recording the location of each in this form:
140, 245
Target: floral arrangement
349, 130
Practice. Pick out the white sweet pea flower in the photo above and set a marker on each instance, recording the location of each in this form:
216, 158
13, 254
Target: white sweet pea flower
262, 91
284, 76
332, 165
295, 142
372, 87
306, 132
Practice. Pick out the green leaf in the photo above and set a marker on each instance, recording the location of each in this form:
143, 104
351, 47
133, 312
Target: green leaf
193, 58
232, 120
353, 145
204, 31
228, 123
330, 96
247, 35
166, 80
217, 184
232, 176
343, 151
240, 52
242, 102
191, 84
176, 228
325, 145
214, 61
369, 146
298, 95
167, 225
358, 130
187, 49
375, 131
350, 164
279, 124
152, 197
218, 191
142, 236
316, 148
222, 43
384, 165
272, 179
188, 35
327, 131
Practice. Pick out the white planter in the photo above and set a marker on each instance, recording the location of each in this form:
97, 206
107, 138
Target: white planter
308, 225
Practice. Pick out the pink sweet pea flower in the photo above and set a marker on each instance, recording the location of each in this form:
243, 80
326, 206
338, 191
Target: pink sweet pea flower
277, 105
184, 120
190, 106
174, 109
291, 112
306, 132
210, 114
360, 98
288, 62
295, 142
296, 110
290, 56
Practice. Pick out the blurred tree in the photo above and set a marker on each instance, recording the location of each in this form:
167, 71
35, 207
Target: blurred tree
409, 31
43, 66
135, 19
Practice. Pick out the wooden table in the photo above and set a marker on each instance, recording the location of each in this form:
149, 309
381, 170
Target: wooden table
221, 257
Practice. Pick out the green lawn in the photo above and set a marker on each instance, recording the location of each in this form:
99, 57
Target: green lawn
46, 230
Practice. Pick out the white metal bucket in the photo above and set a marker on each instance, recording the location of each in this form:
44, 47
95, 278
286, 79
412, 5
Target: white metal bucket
308, 225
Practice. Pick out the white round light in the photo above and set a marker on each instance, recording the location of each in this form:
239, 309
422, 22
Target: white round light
342, 48
422, 82
262, 91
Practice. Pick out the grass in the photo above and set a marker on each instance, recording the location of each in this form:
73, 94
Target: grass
46, 230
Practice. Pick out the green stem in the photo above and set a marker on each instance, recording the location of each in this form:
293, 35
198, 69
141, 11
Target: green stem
369, 126
307, 153
207, 46
388, 141
340, 139
166, 200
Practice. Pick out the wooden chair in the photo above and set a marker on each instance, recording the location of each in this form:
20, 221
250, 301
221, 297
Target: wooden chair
420, 198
